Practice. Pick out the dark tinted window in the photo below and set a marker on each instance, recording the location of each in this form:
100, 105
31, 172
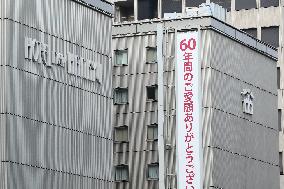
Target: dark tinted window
126, 13
224, 3
171, 6
194, 3
245, 4
251, 31
270, 35
269, 3
147, 9
152, 93
281, 162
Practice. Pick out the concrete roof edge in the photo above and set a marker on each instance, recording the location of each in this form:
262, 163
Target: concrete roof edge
102, 6
212, 23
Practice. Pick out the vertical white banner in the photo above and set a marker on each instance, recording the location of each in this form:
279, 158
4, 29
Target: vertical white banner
188, 115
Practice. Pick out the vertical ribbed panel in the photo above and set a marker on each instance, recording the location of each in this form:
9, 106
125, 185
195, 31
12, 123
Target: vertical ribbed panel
239, 150
65, 19
139, 113
56, 128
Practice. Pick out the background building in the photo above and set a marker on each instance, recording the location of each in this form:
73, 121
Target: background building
240, 150
263, 19
55, 91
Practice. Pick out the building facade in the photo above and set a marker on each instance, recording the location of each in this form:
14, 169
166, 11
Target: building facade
263, 19
239, 106
56, 101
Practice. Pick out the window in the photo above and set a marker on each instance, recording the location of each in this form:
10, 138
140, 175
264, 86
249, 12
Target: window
251, 31
124, 13
152, 132
120, 96
151, 56
171, 6
121, 173
281, 162
245, 4
223, 3
194, 3
152, 93
269, 3
153, 171
270, 35
147, 9
121, 57
121, 134
279, 120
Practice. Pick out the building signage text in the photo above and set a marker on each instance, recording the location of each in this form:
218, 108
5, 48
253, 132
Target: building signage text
189, 148
41, 53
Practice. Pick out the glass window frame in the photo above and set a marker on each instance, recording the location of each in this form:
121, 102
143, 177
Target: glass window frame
115, 93
156, 93
121, 166
278, 36
147, 51
124, 127
116, 52
151, 126
148, 171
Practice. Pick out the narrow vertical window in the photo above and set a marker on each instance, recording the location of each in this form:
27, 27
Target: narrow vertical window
281, 162
152, 93
152, 132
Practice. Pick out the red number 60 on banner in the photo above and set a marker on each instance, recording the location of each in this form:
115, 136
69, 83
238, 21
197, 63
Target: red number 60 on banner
190, 44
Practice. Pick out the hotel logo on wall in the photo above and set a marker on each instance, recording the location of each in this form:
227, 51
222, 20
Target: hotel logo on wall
247, 101
188, 98
41, 53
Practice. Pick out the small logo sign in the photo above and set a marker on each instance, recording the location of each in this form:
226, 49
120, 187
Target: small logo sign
247, 101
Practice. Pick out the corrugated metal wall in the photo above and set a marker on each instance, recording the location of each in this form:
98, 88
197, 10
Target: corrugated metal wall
240, 151
56, 129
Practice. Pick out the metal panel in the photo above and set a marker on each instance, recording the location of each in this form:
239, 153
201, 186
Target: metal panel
237, 133
38, 144
74, 23
240, 62
26, 177
55, 127
226, 95
237, 172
